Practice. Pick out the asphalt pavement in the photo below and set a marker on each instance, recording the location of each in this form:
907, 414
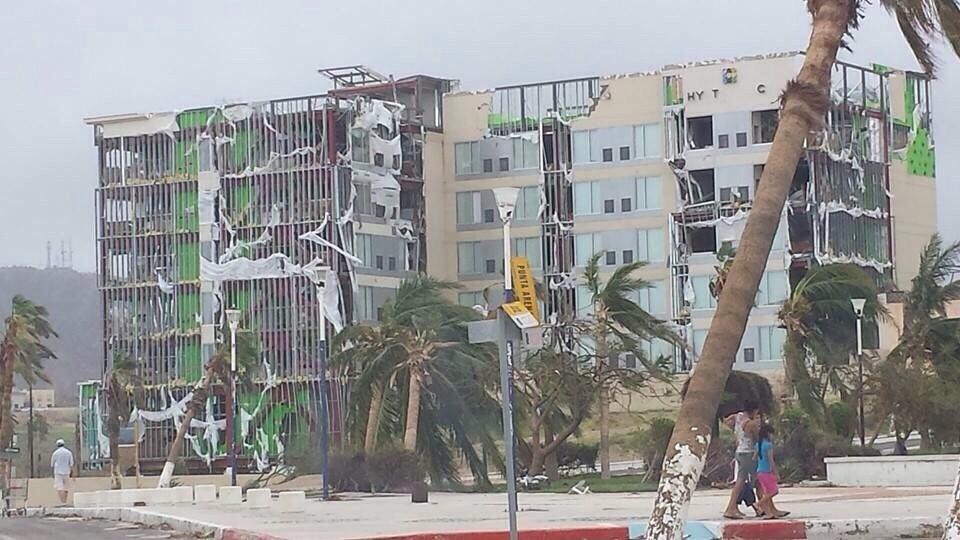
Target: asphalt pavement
49, 528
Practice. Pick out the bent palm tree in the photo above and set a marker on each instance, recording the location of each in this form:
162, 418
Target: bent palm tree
419, 354
217, 369
21, 351
617, 315
819, 320
803, 107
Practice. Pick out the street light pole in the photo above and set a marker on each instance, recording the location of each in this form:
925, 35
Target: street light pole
30, 433
233, 319
506, 200
858, 304
324, 416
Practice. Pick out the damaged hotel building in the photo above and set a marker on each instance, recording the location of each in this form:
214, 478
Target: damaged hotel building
293, 208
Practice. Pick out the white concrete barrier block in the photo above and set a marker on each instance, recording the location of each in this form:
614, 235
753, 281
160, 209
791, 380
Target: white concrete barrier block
258, 498
231, 494
292, 501
205, 493
88, 499
183, 494
110, 498
161, 496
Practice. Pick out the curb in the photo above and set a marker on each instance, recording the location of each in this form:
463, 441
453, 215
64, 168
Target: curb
590, 532
154, 519
889, 527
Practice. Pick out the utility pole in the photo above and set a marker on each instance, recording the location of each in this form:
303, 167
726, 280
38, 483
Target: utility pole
30, 432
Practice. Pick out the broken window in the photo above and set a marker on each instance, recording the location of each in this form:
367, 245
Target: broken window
702, 186
624, 153
723, 141
363, 203
703, 239
360, 140
504, 164
765, 126
700, 132
742, 139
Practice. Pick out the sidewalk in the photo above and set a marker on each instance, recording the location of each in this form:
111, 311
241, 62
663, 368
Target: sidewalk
877, 513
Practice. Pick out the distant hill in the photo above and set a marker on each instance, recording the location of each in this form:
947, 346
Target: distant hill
72, 300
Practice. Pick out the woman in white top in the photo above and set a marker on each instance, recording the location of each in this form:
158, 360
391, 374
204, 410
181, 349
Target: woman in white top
745, 425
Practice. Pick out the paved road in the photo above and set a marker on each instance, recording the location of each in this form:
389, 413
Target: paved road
75, 529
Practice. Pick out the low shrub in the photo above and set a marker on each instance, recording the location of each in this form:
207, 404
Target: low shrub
572, 456
650, 445
386, 470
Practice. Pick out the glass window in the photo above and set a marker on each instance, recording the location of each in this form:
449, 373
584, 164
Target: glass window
463, 158
611, 258
488, 165
363, 204
648, 193
749, 355
488, 215
607, 155
526, 153
699, 337
490, 266
586, 198
585, 245
364, 249
609, 206
723, 141
701, 291
627, 256
504, 164
584, 302
468, 206
467, 262
360, 140
646, 141
529, 248
363, 304
771, 339
528, 203
741, 139
626, 204
650, 245
773, 288
624, 153
581, 147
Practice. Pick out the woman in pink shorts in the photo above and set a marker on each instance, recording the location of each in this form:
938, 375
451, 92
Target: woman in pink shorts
767, 474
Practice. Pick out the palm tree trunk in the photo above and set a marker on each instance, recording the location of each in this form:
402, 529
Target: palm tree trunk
804, 103
413, 412
604, 431
174, 448
951, 531
113, 428
6, 402
373, 420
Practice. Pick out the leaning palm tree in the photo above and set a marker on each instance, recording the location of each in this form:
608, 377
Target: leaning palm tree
803, 107
617, 315
119, 386
819, 319
22, 350
419, 354
217, 369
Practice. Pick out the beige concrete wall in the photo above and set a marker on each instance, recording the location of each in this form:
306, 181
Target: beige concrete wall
914, 209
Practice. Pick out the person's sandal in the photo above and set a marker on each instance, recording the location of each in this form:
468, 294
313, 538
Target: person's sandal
734, 517
782, 514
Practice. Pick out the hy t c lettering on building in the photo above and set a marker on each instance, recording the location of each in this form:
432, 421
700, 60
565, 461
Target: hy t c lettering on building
243, 205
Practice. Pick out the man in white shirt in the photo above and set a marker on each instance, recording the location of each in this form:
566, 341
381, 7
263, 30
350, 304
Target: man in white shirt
62, 464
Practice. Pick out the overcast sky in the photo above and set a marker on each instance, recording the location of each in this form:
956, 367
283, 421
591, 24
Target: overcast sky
62, 61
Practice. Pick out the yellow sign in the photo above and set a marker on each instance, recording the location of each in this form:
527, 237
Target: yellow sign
520, 316
524, 288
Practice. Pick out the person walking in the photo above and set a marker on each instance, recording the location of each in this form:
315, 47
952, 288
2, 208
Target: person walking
745, 424
767, 474
61, 461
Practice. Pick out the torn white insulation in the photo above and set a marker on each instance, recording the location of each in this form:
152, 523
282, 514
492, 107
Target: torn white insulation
879, 266
316, 237
725, 220
389, 149
331, 300
371, 113
274, 156
277, 265
563, 281
165, 286
238, 246
836, 206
